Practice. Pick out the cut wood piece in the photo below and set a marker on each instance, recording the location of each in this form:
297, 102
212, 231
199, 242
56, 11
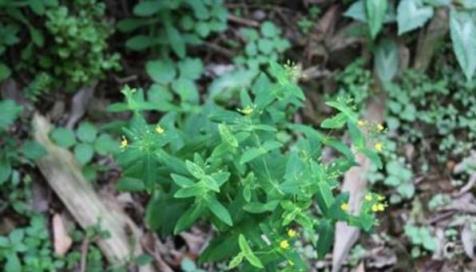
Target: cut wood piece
355, 183
65, 178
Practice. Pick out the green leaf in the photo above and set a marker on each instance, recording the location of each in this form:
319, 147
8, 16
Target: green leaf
63, 137
324, 196
255, 152
203, 29
105, 145
357, 11
9, 112
248, 253
147, 8
386, 60
189, 217
199, 9
190, 68
140, 42
13, 263
337, 121
161, 71
127, 184
463, 37
237, 260
37, 6
344, 108
36, 36
5, 170
143, 259
4, 72
358, 139
412, 14
375, 10
269, 30
176, 40
131, 24
83, 153
257, 207
195, 169
265, 46
325, 231
194, 190
182, 181
219, 211
186, 89
227, 136
33, 150
406, 190
86, 132
373, 157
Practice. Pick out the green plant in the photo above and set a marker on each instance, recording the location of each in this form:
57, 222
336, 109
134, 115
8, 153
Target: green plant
397, 175
14, 18
80, 33
305, 23
68, 49
171, 25
413, 14
354, 82
12, 152
420, 238
263, 46
188, 265
250, 172
29, 248
85, 142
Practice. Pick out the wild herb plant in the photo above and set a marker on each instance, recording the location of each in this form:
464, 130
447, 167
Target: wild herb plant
29, 248
247, 169
15, 19
169, 26
79, 41
67, 49
262, 46
12, 151
421, 239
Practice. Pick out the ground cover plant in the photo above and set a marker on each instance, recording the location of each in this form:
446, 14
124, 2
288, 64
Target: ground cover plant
210, 135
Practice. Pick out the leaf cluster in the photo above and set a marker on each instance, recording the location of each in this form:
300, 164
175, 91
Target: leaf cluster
246, 168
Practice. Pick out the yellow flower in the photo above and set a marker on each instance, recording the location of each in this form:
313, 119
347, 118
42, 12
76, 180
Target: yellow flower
380, 198
124, 142
378, 146
159, 129
284, 244
292, 233
380, 127
361, 123
344, 207
378, 207
368, 197
247, 110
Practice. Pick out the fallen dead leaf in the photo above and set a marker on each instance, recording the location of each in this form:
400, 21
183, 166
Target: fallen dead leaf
360, 268
467, 238
62, 240
80, 103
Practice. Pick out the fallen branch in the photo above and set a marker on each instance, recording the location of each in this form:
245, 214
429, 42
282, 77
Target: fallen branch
65, 178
